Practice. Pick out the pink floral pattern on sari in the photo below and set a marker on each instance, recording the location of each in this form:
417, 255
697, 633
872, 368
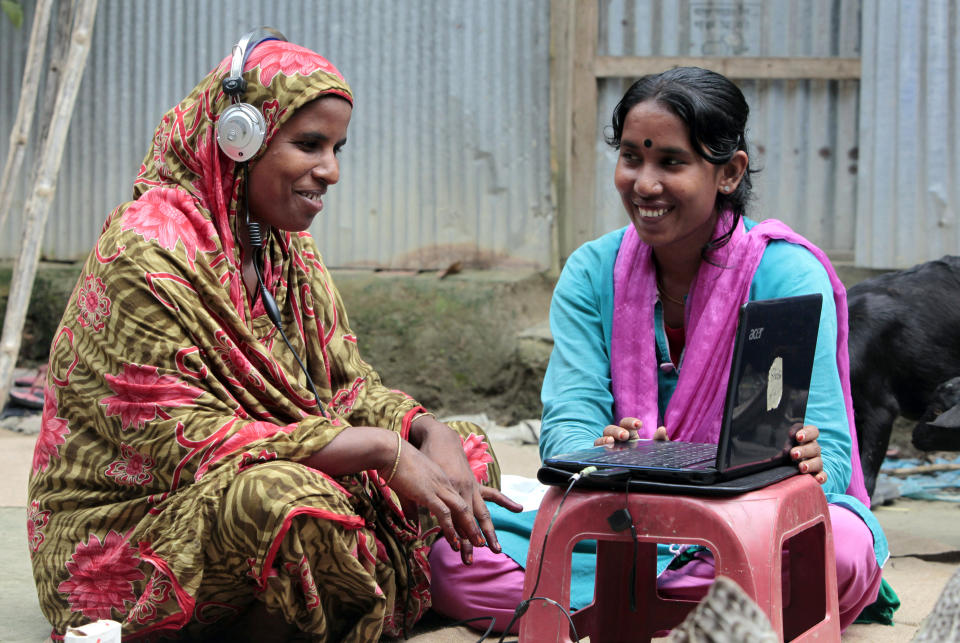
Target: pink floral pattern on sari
344, 399
237, 363
247, 458
101, 576
476, 449
289, 62
93, 303
141, 391
53, 431
156, 593
170, 216
132, 468
249, 433
36, 522
302, 571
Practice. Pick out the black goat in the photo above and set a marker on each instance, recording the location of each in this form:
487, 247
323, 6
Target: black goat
904, 343
939, 427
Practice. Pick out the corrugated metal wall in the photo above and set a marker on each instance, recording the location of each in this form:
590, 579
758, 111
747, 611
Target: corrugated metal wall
909, 192
449, 147
803, 134
448, 154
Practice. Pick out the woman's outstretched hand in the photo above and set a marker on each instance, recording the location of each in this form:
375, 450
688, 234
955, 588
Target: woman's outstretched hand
807, 453
628, 429
432, 471
436, 475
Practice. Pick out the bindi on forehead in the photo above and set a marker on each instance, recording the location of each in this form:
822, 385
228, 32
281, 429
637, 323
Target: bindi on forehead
647, 142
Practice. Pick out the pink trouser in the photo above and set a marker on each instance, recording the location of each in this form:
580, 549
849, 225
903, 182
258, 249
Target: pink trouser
493, 584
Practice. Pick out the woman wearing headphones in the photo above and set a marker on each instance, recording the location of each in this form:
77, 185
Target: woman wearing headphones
216, 459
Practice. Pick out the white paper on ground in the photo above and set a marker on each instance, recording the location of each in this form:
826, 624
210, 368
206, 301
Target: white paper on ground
528, 492
102, 631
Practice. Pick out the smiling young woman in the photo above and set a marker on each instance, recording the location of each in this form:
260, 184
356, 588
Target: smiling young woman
641, 316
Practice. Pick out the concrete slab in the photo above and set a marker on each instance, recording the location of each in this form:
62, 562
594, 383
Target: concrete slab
19, 607
16, 458
902, 521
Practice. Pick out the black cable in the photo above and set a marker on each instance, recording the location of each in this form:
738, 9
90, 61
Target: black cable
269, 303
521, 609
273, 312
636, 548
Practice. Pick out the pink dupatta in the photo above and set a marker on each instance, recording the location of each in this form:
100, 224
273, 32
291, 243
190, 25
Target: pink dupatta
696, 407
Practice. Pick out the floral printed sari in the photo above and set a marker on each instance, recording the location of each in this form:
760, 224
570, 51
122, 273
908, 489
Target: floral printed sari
165, 489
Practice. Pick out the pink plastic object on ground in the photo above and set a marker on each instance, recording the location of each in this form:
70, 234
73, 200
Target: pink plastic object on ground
746, 533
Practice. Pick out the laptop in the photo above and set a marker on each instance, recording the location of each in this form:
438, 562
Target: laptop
765, 404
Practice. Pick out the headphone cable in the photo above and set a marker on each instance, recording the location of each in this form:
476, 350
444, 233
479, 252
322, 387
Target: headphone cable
269, 303
521, 609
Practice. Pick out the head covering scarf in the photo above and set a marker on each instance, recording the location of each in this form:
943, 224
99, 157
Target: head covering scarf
716, 293
185, 152
164, 490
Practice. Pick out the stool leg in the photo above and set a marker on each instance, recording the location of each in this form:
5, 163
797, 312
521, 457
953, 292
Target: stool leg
544, 621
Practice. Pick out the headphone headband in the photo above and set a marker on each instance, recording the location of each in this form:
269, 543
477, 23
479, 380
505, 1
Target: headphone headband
234, 85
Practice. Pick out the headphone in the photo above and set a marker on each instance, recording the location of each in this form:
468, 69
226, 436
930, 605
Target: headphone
241, 127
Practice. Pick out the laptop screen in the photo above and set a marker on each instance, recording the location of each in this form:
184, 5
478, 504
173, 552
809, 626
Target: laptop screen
770, 379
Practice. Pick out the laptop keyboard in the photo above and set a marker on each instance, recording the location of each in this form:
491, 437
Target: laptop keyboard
660, 454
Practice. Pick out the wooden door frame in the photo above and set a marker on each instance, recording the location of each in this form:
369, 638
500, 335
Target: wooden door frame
575, 70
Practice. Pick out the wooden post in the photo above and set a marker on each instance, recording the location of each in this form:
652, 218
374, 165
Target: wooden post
62, 27
38, 205
561, 72
29, 86
736, 68
579, 216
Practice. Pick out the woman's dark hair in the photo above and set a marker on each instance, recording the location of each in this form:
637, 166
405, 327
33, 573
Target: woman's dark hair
715, 112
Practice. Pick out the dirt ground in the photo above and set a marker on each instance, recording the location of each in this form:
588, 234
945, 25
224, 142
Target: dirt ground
475, 341
468, 343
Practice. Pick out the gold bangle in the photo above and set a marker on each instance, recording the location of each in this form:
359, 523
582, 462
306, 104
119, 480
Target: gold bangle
396, 461
421, 414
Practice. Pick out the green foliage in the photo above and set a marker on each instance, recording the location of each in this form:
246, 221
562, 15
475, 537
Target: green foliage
14, 11
51, 291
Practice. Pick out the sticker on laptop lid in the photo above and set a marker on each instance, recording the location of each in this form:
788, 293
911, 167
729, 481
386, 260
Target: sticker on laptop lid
775, 384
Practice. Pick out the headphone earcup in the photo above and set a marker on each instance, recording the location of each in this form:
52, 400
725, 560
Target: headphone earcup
240, 131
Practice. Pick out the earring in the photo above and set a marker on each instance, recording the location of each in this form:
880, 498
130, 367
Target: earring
725, 189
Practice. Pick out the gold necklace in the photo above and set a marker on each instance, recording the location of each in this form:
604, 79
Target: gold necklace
681, 301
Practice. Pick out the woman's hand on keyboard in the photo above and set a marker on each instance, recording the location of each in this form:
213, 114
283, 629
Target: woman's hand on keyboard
628, 429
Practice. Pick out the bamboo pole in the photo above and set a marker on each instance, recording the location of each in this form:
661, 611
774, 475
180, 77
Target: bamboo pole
29, 87
45, 184
61, 27
923, 468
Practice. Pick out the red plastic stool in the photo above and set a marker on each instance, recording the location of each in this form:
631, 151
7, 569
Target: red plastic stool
746, 534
